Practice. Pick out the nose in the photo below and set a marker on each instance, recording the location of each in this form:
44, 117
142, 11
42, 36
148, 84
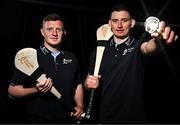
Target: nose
119, 23
55, 32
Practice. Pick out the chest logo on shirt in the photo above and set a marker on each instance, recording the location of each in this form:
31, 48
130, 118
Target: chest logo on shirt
67, 61
128, 50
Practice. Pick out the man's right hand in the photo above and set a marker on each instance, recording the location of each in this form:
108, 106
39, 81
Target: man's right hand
44, 85
92, 82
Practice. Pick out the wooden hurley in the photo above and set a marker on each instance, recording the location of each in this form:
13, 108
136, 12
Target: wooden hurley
26, 62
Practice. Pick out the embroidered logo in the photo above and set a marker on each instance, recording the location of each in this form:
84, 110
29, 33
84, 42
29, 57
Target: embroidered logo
128, 50
67, 61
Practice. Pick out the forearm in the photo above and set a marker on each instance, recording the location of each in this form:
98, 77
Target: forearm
20, 91
149, 47
79, 96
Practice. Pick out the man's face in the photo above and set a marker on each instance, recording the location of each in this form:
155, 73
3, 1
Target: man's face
53, 32
121, 23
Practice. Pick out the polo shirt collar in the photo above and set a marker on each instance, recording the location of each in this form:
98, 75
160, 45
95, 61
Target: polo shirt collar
128, 42
46, 51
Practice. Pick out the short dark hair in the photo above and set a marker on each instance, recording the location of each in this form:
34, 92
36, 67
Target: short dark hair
52, 17
120, 7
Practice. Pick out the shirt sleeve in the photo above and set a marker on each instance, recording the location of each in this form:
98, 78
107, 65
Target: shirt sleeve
19, 78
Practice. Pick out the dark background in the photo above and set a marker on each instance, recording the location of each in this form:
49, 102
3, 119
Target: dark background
20, 24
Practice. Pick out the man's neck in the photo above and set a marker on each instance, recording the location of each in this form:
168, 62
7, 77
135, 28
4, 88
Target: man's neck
119, 41
51, 48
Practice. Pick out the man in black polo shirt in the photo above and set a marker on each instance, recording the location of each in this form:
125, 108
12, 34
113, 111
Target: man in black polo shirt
62, 71
121, 71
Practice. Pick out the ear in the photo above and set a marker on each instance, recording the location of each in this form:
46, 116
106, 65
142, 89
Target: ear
133, 22
109, 23
64, 32
42, 31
